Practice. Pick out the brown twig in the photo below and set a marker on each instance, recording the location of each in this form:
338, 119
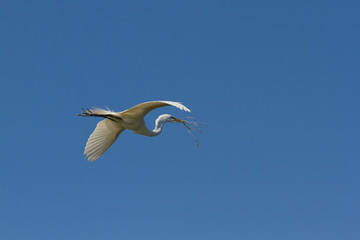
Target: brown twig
193, 125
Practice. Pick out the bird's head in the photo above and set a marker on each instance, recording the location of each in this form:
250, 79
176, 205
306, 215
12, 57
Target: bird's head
169, 118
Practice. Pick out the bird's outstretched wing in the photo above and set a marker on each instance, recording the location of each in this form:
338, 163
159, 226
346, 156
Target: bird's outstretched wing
144, 108
104, 135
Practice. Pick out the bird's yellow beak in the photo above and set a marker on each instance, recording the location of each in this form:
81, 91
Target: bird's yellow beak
178, 120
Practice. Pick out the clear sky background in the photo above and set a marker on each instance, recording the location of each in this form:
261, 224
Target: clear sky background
277, 81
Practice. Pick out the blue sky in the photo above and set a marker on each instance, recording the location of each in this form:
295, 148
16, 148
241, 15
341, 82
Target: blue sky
277, 82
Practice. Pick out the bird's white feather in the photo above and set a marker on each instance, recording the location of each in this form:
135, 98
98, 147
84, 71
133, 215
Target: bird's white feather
104, 135
177, 104
142, 109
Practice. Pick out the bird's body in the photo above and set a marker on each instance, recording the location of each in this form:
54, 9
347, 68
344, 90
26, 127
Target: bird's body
109, 129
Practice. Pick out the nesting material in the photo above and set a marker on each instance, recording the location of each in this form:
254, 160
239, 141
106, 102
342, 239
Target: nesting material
193, 127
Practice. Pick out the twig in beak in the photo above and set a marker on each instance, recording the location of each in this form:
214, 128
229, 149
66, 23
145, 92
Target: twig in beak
193, 125
188, 129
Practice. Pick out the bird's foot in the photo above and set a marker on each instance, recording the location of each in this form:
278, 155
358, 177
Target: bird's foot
86, 113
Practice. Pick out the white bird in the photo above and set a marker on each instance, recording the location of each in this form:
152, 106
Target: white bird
109, 129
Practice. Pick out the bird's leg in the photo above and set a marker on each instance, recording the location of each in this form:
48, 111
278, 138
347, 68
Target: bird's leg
88, 113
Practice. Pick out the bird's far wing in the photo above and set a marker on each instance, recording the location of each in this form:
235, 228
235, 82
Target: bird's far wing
104, 135
144, 108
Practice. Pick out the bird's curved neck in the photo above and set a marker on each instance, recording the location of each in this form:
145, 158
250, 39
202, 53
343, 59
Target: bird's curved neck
159, 123
158, 127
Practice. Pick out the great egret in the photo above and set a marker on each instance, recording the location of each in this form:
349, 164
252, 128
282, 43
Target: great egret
109, 129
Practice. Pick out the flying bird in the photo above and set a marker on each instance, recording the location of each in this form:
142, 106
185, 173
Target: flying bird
109, 129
